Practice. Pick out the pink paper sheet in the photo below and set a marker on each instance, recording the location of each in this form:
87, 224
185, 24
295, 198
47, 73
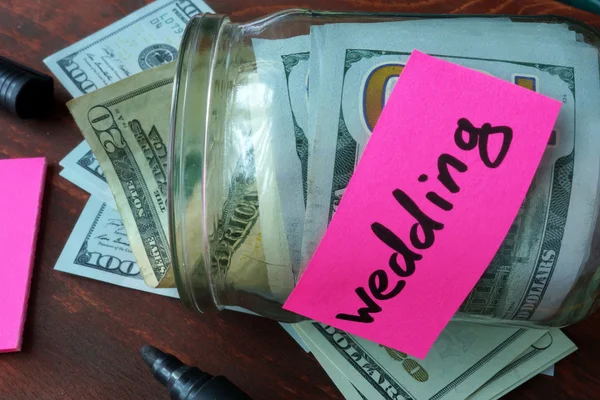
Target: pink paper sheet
21, 188
406, 247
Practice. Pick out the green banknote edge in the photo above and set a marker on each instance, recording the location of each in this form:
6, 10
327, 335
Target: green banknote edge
373, 364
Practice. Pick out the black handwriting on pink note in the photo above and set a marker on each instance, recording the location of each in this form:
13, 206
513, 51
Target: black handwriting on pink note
403, 260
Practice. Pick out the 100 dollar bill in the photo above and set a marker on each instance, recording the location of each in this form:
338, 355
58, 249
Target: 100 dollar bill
144, 39
463, 358
98, 248
467, 358
126, 126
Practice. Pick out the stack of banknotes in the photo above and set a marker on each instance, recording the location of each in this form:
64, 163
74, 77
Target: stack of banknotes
352, 70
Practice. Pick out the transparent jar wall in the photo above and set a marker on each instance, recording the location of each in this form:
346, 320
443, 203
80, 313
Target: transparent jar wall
232, 215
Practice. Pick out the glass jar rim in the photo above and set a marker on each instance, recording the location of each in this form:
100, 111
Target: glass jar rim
201, 30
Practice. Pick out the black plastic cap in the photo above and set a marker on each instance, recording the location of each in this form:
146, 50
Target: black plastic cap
150, 354
23, 91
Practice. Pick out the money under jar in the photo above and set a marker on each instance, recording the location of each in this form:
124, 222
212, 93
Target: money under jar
270, 118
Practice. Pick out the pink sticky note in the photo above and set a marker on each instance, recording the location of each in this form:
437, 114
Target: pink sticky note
434, 194
21, 187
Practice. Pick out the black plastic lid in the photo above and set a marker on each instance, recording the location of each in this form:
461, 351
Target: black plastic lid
23, 91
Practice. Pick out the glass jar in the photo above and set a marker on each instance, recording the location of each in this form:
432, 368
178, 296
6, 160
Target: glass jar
261, 154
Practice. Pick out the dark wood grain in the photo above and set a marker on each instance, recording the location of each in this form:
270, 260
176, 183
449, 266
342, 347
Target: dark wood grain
82, 337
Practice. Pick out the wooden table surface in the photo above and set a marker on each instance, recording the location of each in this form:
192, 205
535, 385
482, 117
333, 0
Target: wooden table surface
82, 337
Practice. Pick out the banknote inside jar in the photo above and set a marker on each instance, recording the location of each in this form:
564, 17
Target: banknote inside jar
271, 168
